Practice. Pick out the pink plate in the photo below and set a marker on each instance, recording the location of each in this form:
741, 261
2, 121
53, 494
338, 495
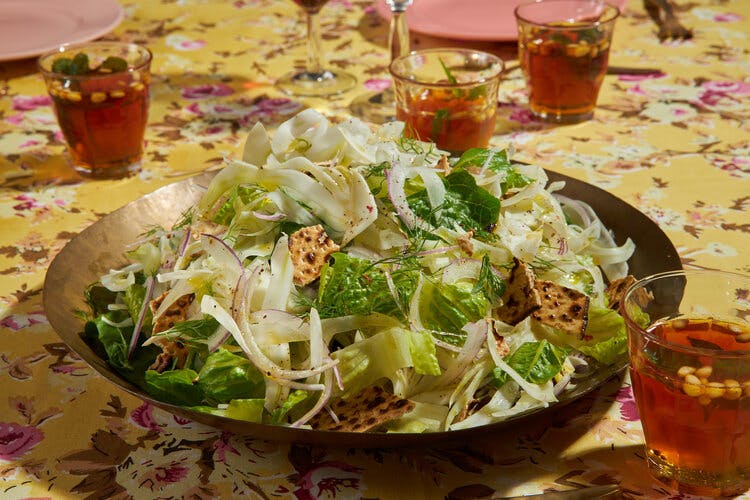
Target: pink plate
487, 20
29, 28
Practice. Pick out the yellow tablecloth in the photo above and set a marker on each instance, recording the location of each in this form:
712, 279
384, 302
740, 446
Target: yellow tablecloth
675, 146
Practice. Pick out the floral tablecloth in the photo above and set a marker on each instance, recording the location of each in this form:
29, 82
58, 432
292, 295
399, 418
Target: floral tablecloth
676, 145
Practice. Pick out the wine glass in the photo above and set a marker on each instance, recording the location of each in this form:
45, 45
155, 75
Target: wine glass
380, 107
315, 80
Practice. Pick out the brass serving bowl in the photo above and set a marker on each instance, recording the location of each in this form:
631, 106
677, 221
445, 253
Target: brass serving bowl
100, 247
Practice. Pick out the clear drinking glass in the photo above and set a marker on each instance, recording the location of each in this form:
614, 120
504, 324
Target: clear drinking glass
448, 96
100, 94
689, 344
563, 49
380, 107
316, 80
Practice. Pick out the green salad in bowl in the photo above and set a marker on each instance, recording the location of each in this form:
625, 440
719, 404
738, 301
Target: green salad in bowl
344, 278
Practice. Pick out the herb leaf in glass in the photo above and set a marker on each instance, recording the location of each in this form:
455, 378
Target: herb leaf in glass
448, 96
100, 94
563, 48
315, 80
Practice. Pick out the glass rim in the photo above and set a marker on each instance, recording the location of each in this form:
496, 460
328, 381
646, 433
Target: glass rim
147, 57
630, 324
495, 60
612, 10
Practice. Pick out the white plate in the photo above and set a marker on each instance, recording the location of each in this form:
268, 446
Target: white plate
29, 28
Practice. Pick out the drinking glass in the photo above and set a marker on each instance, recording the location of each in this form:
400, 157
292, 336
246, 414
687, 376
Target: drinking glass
380, 107
448, 96
689, 344
100, 94
315, 81
563, 49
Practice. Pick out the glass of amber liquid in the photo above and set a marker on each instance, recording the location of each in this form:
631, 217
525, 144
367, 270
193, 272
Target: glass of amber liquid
100, 94
447, 96
563, 49
689, 344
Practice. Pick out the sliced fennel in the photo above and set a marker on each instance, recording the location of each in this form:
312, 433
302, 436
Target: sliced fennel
405, 304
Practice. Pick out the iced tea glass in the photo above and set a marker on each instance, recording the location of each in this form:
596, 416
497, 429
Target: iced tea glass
689, 344
100, 94
563, 49
447, 96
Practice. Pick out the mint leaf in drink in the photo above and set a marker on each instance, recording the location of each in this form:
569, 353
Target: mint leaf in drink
439, 123
448, 74
79, 65
62, 65
113, 64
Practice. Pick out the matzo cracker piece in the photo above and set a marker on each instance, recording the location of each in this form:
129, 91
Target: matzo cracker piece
175, 313
563, 308
309, 248
615, 291
520, 298
363, 411
172, 350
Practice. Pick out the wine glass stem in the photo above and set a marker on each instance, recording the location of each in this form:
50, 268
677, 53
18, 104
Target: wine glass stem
398, 40
314, 65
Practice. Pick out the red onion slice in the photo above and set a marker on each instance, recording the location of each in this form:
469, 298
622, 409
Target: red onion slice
225, 250
185, 241
277, 216
141, 315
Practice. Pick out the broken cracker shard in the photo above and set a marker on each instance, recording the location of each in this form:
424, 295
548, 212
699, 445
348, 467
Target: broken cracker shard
171, 349
563, 308
363, 411
309, 249
547, 302
615, 291
520, 298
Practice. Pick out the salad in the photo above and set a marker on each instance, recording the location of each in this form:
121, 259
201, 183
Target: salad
344, 278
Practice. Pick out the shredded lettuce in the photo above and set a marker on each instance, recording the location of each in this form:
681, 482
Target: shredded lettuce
407, 303
466, 205
349, 285
536, 362
447, 308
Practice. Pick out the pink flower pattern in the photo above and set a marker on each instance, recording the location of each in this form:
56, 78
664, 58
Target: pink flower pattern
208, 90
628, 408
16, 440
24, 103
214, 111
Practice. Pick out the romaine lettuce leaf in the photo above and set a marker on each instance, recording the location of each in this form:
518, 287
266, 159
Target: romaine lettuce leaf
250, 410
423, 354
295, 398
605, 338
194, 332
448, 308
379, 357
608, 351
134, 296
466, 204
114, 342
178, 387
226, 376
499, 163
536, 362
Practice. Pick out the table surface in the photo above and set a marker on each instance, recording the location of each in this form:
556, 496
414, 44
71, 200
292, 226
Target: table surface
675, 146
